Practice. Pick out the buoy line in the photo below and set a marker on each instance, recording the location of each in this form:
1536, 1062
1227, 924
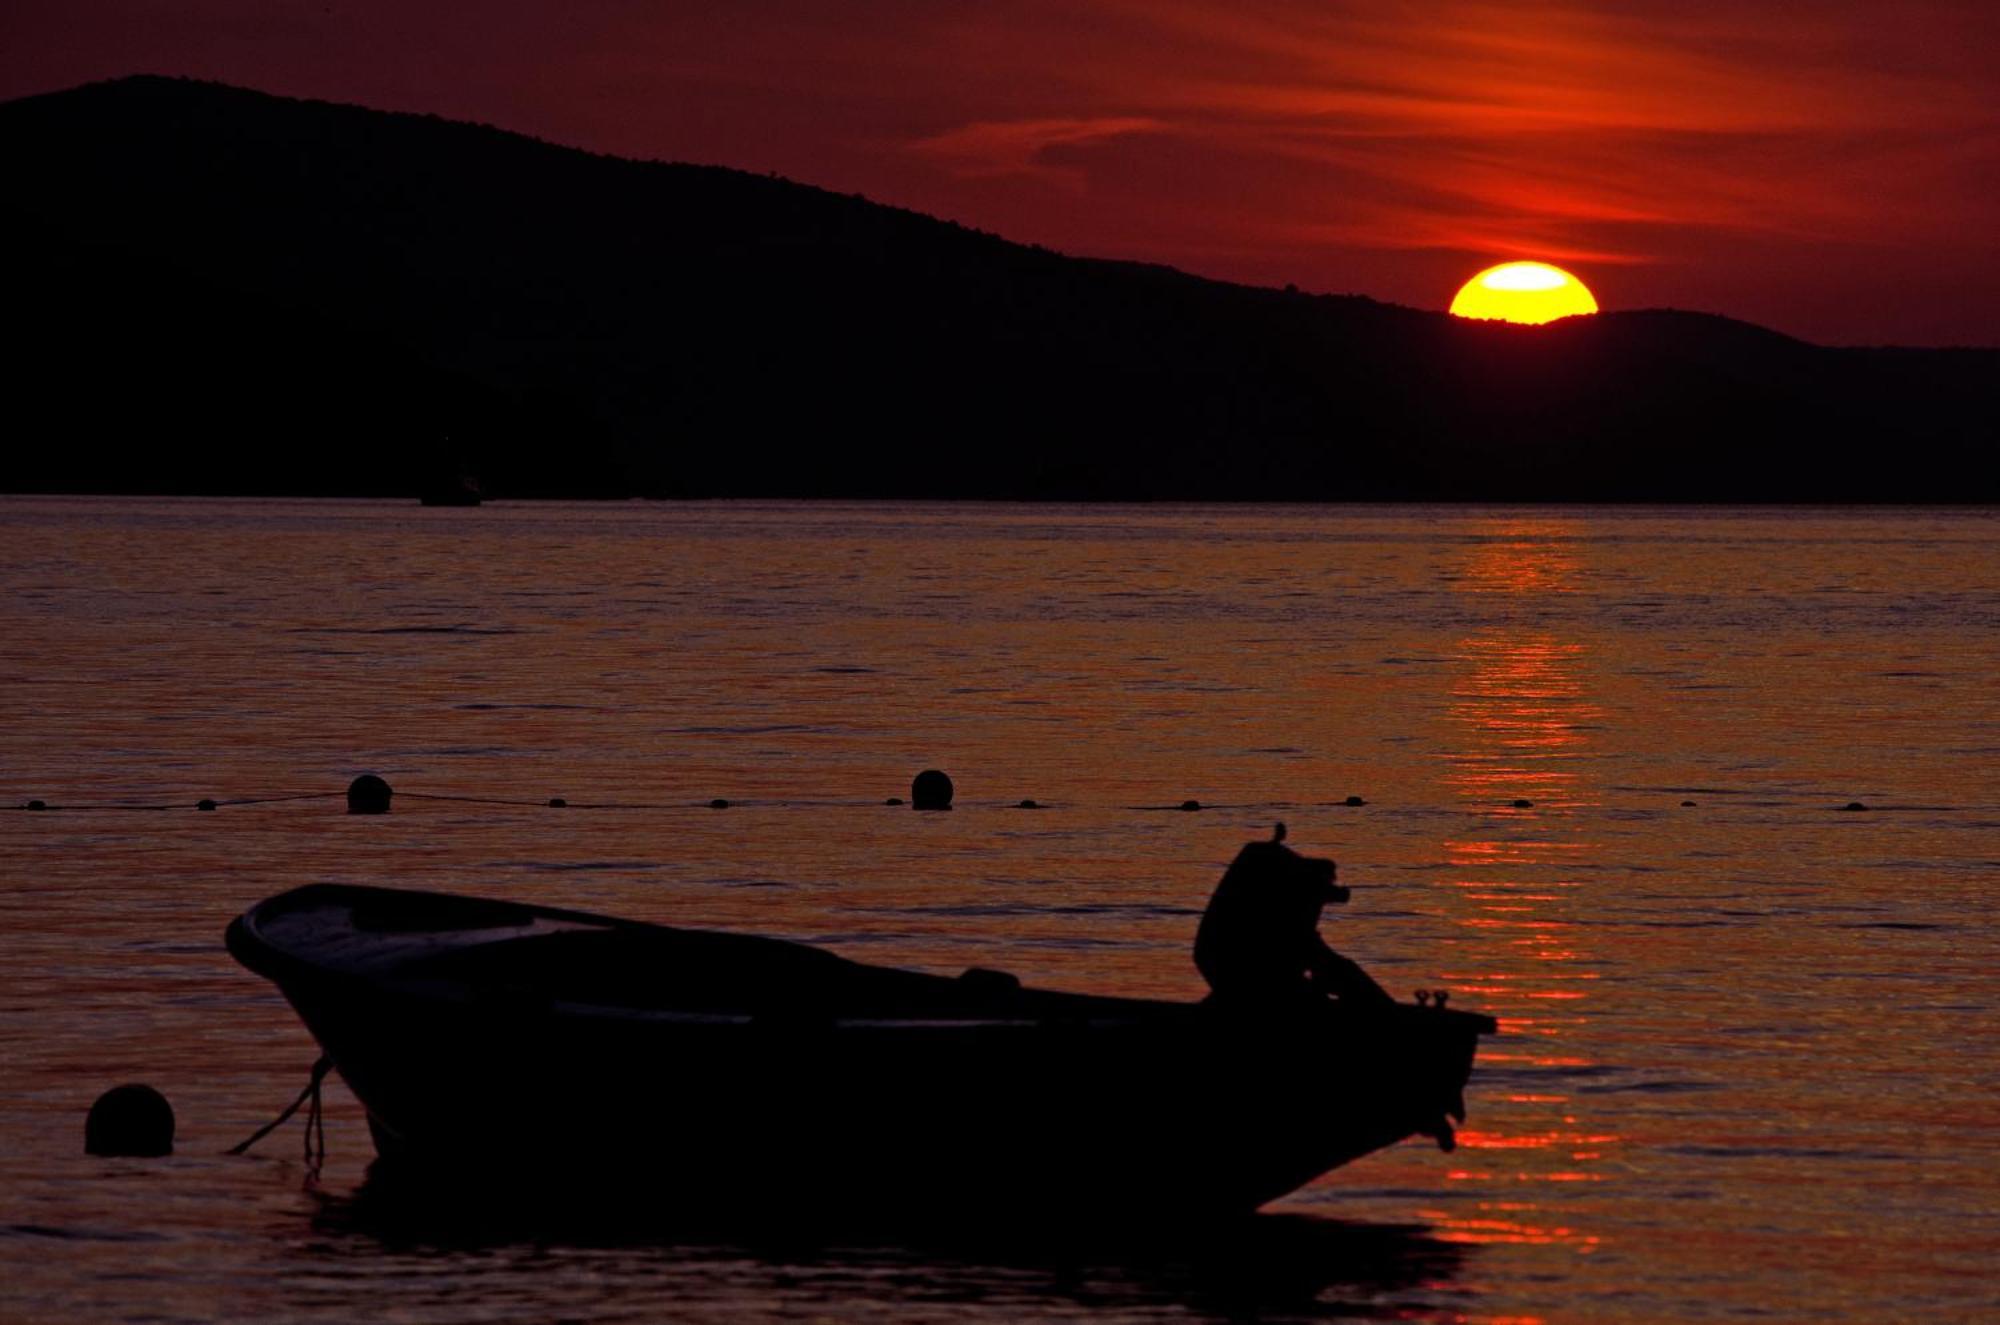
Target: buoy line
561, 803
932, 790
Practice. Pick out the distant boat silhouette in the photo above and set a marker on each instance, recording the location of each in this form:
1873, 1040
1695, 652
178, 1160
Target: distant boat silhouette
709, 1069
458, 490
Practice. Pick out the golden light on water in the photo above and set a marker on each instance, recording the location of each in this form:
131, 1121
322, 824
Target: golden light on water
1522, 711
1530, 292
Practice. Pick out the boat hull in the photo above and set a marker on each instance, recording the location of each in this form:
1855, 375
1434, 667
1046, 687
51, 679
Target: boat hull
1154, 1108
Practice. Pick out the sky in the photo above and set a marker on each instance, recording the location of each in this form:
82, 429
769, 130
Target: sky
1829, 168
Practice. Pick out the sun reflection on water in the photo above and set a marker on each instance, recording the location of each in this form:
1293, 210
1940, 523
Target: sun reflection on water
1522, 715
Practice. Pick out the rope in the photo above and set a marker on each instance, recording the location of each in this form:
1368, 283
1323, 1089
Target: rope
118, 805
782, 803
315, 1141
284, 796
496, 800
37, 805
655, 806
663, 806
717, 803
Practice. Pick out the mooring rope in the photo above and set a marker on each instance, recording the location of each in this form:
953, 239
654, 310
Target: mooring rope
315, 1140
315, 1143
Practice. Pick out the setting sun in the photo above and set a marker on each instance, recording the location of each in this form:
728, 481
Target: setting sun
1523, 292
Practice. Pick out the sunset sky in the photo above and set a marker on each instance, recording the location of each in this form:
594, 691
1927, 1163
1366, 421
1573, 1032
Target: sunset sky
1830, 168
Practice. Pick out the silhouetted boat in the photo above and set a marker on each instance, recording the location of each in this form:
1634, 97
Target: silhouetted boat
458, 490
705, 1068
455, 493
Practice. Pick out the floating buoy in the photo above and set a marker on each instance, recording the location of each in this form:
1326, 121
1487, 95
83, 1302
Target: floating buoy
931, 790
36, 805
1853, 805
204, 804
130, 1120
1687, 805
1029, 805
1190, 805
368, 794
893, 800
1524, 804
558, 803
718, 804
1354, 800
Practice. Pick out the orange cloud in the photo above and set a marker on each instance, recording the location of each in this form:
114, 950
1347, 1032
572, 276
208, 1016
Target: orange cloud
1021, 147
1560, 111
1831, 167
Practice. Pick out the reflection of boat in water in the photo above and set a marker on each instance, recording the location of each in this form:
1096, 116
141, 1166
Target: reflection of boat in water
712, 1068
1266, 1266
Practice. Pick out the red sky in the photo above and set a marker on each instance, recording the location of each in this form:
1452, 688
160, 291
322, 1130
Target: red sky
1830, 168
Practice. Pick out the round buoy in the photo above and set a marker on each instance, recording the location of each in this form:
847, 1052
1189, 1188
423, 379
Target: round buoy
1354, 800
1854, 805
368, 794
131, 1120
204, 804
893, 800
558, 803
718, 804
1029, 805
930, 790
1190, 805
1687, 805
36, 805
1524, 804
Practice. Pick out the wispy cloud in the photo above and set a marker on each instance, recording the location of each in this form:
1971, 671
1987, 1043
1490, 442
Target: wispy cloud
1814, 163
1561, 127
1025, 147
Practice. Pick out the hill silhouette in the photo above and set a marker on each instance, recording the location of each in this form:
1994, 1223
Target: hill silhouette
216, 290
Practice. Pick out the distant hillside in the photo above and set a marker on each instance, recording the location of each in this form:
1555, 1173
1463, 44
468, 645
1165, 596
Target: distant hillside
214, 290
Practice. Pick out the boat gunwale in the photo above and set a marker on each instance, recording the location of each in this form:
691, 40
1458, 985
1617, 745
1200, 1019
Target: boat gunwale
260, 954
249, 943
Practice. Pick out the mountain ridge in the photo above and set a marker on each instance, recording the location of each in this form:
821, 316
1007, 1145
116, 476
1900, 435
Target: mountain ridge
400, 294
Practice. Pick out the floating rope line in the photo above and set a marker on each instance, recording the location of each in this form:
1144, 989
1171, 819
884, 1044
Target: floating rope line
717, 803
496, 800
133, 806
149, 807
315, 1140
282, 796
559, 803
370, 794
1189, 806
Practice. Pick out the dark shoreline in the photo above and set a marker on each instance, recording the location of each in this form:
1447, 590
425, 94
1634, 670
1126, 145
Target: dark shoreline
234, 292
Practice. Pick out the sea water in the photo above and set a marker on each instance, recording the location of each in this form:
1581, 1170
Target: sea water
1747, 1065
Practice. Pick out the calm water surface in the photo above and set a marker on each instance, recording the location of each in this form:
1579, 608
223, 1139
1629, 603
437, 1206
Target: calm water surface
1748, 1063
